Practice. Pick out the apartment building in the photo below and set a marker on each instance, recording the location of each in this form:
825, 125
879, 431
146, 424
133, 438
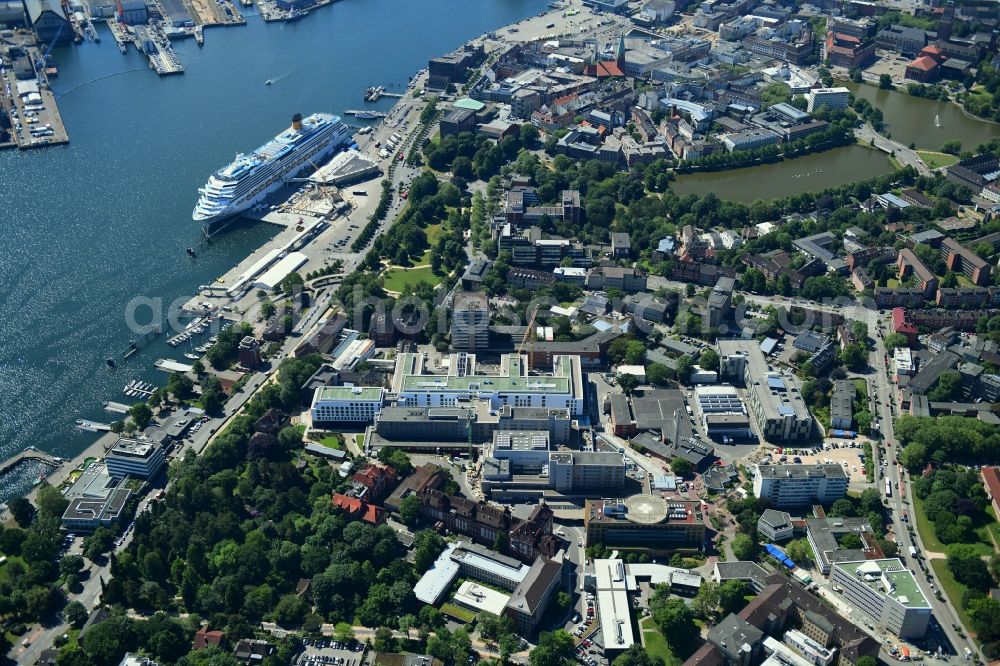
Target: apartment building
959, 258
470, 322
799, 485
909, 264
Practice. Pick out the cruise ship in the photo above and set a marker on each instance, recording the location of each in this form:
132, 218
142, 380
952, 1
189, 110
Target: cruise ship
246, 181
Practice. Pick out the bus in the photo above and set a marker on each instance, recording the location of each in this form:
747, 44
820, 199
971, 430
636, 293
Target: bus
888, 488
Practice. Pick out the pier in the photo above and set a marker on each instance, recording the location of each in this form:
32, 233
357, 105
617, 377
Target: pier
365, 113
92, 426
32, 108
116, 407
121, 35
31, 453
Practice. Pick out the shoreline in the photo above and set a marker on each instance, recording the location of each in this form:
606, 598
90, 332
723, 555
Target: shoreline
358, 215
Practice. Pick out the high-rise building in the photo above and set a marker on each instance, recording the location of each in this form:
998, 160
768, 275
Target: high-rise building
470, 321
249, 353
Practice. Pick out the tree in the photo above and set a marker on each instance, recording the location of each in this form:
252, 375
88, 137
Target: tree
968, 567
555, 648
952, 147
799, 551
706, 602
180, 385
409, 510
629, 383
637, 655
681, 467
675, 621
70, 564
894, 340
867, 661
22, 511
290, 611
384, 642
684, 367
141, 414
709, 360
50, 501
343, 632
743, 547
885, 82
658, 374
98, 543
985, 616
843, 508
854, 355
732, 596
75, 614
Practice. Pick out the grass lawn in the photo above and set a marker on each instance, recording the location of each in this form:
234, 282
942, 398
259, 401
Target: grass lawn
952, 588
5, 567
359, 440
892, 283
457, 612
332, 442
397, 278
935, 159
930, 540
655, 644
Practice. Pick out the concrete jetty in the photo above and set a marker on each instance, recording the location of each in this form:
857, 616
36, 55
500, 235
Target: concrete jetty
31, 453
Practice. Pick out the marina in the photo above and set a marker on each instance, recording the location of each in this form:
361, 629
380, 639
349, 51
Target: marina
31, 453
138, 389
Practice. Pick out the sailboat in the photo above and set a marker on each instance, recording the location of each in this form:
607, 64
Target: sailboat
268, 82
937, 120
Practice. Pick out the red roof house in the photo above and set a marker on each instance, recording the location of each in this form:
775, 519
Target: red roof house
991, 479
377, 479
924, 69
358, 509
901, 325
203, 639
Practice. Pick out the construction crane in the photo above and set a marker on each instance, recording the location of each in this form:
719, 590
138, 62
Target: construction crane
529, 336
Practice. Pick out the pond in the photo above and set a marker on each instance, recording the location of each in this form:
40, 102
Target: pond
809, 173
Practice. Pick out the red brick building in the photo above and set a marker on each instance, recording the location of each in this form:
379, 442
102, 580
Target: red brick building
376, 480
358, 509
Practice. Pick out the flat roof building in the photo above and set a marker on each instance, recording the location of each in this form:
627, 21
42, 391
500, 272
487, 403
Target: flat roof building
774, 400
886, 591
799, 485
135, 457
336, 404
481, 599
511, 385
645, 522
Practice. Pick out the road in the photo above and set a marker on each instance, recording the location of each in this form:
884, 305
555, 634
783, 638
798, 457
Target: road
878, 327
866, 134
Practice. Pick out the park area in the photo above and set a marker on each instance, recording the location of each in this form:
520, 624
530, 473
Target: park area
655, 644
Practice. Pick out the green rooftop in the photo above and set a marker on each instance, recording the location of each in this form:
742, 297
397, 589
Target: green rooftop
470, 104
350, 393
904, 585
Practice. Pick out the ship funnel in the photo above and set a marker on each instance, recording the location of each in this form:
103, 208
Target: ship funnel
297, 121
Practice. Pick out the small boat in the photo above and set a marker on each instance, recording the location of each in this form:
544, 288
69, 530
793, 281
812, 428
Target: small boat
268, 82
193, 357
190, 252
110, 362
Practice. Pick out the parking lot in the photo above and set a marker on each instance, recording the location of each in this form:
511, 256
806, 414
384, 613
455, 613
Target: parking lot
328, 652
847, 454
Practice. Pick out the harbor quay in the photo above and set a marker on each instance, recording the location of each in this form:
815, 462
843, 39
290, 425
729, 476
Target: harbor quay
29, 104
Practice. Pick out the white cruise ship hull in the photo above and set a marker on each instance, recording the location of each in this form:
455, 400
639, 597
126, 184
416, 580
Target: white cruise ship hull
250, 179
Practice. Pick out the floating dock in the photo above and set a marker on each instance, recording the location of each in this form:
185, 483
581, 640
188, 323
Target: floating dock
116, 407
169, 365
366, 113
92, 426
